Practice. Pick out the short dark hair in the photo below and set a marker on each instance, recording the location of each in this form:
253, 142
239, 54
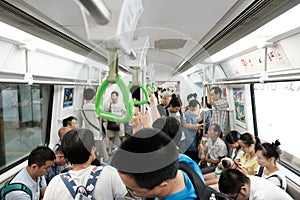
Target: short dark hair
77, 145
40, 155
231, 181
114, 92
151, 157
88, 93
68, 121
170, 126
216, 90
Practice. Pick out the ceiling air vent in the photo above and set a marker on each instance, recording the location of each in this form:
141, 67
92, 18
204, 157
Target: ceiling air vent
169, 43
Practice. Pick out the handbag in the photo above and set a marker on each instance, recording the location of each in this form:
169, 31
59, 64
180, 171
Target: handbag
111, 125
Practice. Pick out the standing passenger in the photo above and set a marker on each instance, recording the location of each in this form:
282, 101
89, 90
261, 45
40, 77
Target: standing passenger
79, 148
71, 122
148, 165
116, 108
220, 114
39, 161
92, 122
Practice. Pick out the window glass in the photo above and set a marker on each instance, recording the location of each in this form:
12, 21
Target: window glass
277, 111
21, 127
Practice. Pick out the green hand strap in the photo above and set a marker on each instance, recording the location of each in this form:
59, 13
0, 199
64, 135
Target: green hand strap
127, 99
145, 94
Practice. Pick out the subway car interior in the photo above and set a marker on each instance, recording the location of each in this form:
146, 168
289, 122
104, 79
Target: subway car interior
52, 50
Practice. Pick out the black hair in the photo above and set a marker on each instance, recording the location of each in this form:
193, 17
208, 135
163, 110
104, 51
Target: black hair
232, 137
40, 155
170, 126
68, 121
89, 93
249, 139
194, 95
216, 90
114, 92
193, 103
231, 180
270, 150
151, 157
77, 145
174, 102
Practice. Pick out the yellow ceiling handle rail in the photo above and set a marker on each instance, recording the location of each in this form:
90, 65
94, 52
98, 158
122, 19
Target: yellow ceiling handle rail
113, 77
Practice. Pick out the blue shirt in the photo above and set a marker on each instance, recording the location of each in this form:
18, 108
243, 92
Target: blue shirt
191, 138
188, 193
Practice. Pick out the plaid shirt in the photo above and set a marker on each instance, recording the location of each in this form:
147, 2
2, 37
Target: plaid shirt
220, 115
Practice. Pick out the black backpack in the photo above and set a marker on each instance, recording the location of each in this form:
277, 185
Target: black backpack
203, 191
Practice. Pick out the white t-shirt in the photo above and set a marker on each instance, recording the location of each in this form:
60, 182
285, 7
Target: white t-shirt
108, 186
262, 189
275, 180
25, 178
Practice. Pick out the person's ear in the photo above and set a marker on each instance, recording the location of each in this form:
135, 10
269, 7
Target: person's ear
245, 190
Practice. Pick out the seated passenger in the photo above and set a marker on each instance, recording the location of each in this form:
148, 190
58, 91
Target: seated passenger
59, 165
215, 147
148, 164
79, 148
241, 187
249, 144
232, 139
267, 155
39, 161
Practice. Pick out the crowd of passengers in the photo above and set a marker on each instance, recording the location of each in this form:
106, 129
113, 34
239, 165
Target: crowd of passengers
145, 164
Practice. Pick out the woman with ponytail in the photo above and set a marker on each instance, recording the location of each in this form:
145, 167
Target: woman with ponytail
267, 156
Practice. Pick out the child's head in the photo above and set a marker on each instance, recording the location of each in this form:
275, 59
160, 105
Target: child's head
225, 163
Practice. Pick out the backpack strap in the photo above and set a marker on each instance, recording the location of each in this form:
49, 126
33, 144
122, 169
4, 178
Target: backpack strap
90, 185
260, 171
69, 182
279, 178
9, 187
203, 192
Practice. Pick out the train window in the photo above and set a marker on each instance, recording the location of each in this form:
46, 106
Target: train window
21, 119
277, 111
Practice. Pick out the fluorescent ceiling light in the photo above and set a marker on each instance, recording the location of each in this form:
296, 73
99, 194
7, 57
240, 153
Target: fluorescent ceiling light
283, 23
34, 43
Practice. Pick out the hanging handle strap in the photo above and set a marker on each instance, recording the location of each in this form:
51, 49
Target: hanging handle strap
145, 92
127, 99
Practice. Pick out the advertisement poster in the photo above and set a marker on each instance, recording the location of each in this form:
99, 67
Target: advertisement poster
68, 97
239, 106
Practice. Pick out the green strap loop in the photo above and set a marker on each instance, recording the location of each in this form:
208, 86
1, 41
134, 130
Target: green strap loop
150, 88
145, 94
127, 99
